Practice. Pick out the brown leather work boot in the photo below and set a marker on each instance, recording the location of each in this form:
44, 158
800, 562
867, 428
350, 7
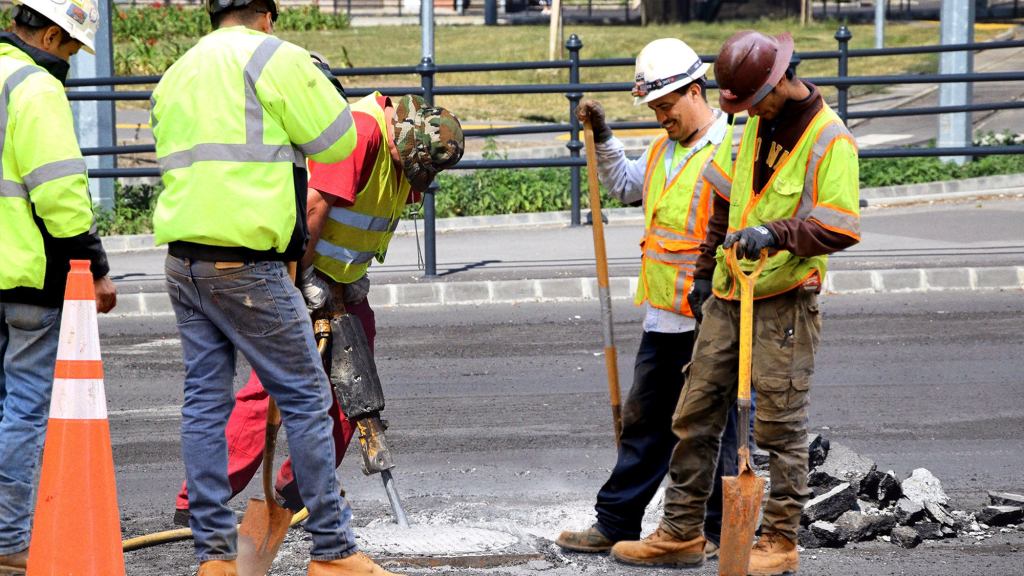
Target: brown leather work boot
218, 568
358, 564
589, 540
14, 564
661, 549
773, 555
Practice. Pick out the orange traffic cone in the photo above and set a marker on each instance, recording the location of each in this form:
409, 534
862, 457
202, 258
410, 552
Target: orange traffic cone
77, 526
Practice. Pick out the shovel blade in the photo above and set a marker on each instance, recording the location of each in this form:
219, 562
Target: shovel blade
260, 535
741, 508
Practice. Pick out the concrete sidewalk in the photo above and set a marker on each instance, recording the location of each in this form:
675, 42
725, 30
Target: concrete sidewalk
949, 241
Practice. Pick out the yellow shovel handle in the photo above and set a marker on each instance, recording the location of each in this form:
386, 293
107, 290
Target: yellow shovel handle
746, 283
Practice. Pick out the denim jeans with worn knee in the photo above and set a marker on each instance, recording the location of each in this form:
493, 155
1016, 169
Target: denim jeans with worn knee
252, 308
28, 351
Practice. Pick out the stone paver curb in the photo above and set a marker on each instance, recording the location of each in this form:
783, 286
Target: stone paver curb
853, 282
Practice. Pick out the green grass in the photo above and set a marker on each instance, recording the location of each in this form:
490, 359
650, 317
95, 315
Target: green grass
463, 44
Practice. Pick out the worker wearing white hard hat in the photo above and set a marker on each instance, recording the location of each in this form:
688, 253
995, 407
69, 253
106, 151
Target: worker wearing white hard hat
675, 179
47, 220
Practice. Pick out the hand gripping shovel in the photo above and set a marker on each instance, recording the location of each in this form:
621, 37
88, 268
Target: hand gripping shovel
265, 522
741, 494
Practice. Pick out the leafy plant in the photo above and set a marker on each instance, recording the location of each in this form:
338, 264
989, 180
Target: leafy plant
132, 212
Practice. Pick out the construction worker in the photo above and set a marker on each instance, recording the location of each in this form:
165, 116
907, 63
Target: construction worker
794, 192
676, 179
46, 220
234, 119
353, 209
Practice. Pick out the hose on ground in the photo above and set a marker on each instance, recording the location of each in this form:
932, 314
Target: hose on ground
168, 536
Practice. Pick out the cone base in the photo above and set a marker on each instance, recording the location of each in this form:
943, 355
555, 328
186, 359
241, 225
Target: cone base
77, 527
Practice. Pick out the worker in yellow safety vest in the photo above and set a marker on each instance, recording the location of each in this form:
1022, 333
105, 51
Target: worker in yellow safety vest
677, 180
234, 120
354, 207
794, 192
46, 220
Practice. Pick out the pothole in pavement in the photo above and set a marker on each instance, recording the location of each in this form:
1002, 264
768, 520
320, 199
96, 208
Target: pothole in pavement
439, 545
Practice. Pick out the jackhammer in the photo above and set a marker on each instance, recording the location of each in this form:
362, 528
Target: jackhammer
353, 373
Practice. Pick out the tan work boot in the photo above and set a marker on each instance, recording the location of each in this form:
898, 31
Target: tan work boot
14, 564
710, 550
773, 555
589, 540
661, 549
218, 568
358, 564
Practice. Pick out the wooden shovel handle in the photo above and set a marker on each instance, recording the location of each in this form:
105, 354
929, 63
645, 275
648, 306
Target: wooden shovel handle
746, 283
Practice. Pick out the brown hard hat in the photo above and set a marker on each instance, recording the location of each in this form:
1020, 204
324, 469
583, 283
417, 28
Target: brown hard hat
749, 66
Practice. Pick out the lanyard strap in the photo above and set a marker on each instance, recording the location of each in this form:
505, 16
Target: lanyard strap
714, 136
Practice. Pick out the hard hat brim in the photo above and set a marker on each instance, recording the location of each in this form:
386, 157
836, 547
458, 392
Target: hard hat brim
782, 60
654, 95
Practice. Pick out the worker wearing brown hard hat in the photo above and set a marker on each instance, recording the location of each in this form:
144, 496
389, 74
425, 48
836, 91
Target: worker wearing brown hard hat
795, 192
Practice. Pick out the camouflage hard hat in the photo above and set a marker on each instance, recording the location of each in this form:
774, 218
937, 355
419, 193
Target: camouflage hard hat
429, 139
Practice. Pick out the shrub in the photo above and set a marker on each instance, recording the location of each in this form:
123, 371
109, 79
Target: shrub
132, 212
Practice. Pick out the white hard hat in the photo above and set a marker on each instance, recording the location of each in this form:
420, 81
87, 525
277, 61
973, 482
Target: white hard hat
663, 66
79, 18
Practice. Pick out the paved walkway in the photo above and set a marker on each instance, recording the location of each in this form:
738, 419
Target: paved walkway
946, 243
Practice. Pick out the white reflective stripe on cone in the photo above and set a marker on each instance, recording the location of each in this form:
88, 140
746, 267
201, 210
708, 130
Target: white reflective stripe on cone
78, 399
79, 331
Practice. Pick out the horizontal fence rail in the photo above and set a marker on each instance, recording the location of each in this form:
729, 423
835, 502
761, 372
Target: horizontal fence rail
427, 73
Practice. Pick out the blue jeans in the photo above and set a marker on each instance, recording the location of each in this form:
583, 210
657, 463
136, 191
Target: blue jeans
28, 351
647, 440
254, 309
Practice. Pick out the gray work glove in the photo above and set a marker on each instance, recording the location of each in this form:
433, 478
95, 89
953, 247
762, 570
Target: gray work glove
314, 290
750, 241
356, 292
593, 110
699, 293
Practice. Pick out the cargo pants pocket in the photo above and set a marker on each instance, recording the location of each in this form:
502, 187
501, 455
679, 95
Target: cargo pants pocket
782, 399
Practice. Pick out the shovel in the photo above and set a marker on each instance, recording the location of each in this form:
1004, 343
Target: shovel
610, 355
741, 494
265, 522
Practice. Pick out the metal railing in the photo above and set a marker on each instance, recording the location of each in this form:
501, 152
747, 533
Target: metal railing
427, 70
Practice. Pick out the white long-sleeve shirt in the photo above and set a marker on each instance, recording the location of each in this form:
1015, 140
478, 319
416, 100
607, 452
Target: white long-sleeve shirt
624, 180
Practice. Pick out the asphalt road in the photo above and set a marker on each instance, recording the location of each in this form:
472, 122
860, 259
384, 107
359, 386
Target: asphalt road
499, 419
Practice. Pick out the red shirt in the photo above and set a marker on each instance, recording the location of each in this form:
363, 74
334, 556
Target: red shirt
343, 180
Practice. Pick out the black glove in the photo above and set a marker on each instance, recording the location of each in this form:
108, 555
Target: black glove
750, 241
699, 293
593, 110
325, 67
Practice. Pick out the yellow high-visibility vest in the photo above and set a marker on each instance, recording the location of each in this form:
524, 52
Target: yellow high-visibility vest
232, 119
676, 217
819, 180
354, 235
41, 171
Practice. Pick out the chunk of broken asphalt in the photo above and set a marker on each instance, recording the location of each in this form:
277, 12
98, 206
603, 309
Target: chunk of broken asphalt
856, 526
923, 487
908, 512
817, 450
1006, 499
828, 534
831, 504
1001, 515
905, 537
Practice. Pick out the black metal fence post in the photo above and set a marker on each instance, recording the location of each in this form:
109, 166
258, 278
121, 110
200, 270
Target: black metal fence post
573, 45
843, 36
427, 69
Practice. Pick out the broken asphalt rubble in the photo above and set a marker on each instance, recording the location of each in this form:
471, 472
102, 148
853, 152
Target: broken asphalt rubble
853, 501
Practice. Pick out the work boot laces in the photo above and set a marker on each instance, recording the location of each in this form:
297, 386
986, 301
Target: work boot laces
768, 542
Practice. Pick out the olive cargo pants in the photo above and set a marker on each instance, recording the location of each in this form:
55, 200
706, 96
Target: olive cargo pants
786, 332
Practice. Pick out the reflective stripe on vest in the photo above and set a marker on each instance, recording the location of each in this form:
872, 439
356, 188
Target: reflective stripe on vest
790, 193
354, 235
10, 188
676, 216
254, 150
719, 180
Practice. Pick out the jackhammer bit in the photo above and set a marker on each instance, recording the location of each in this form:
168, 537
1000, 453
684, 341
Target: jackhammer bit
353, 373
